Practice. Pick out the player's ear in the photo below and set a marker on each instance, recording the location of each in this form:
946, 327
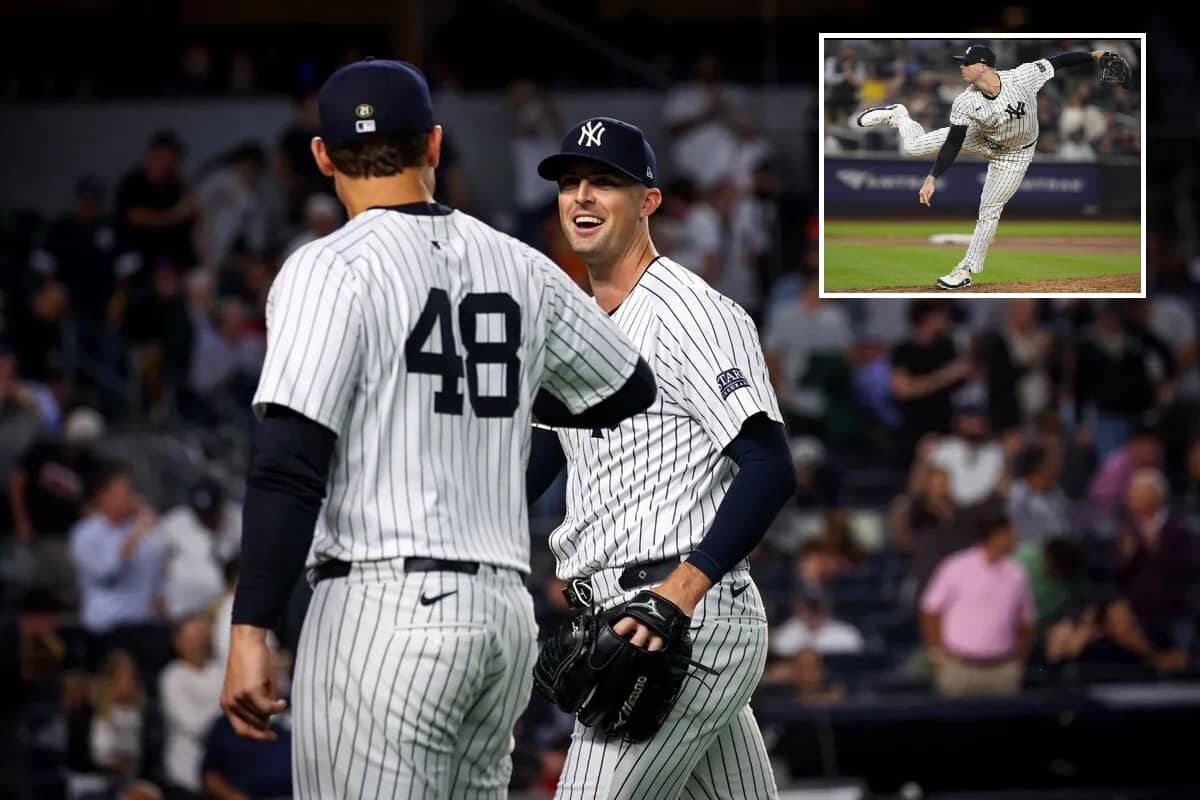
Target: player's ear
433, 147
651, 201
321, 156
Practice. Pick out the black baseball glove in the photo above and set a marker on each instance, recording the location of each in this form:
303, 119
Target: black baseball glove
1114, 69
608, 682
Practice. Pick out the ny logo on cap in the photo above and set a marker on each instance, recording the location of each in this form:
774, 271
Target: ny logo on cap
364, 110
589, 135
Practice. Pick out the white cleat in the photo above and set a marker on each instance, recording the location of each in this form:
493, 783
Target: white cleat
879, 115
959, 278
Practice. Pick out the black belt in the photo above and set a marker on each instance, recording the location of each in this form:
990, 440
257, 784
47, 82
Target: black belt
340, 569
578, 591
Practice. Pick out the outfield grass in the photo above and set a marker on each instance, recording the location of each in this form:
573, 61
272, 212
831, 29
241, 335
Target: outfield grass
850, 266
1013, 228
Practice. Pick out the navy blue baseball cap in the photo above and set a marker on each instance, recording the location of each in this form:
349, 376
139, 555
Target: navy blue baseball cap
978, 54
372, 97
606, 141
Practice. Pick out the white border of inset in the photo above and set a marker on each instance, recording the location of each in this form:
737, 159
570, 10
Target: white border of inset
950, 294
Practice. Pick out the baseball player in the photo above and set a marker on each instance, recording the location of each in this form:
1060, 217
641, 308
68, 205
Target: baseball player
996, 118
670, 500
406, 354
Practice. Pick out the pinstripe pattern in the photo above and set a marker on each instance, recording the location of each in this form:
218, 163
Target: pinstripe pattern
999, 129
648, 489
392, 697
407, 481
406, 700
710, 746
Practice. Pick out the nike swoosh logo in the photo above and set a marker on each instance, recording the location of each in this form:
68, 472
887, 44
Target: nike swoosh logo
737, 590
428, 601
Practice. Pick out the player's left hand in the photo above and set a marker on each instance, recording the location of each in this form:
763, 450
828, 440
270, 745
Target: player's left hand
250, 695
927, 189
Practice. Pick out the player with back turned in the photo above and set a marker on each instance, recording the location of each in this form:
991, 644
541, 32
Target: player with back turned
662, 510
406, 355
996, 118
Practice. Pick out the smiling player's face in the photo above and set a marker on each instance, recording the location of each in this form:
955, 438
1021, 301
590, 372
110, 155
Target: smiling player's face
600, 209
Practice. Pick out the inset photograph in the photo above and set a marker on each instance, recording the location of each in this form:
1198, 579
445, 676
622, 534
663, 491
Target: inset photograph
983, 164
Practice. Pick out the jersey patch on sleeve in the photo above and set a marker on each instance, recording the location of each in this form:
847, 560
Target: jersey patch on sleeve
1041, 66
730, 381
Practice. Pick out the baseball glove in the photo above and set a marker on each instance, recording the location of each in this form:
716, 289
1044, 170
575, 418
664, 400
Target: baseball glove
1114, 69
608, 682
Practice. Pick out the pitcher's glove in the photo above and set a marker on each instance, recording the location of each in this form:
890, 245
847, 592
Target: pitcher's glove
608, 682
1114, 69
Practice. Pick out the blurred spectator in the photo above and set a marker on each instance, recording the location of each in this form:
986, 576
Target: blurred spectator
1110, 485
696, 243
700, 116
1017, 356
235, 768
1055, 570
1038, 506
117, 555
225, 365
231, 210
743, 240
977, 617
154, 209
1108, 633
117, 721
1048, 140
813, 627
196, 73
190, 695
537, 130
811, 682
1120, 375
451, 178
1079, 114
1173, 320
1075, 148
843, 74
31, 650
295, 166
1159, 562
243, 73
46, 495
935, 528
38, 331
20, 415
322, 216
972, 457
157, 323
926, 369
201, 536
804, 341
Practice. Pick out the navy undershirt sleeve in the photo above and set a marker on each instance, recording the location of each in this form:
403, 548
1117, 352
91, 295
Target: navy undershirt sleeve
289, 469
633, 398
546, 460
949, 151
1071, 59
765, 480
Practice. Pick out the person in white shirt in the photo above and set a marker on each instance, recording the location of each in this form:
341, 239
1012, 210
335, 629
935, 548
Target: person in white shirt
700, 115
812, 627
974, 459
190, 694
116, 735
201, 537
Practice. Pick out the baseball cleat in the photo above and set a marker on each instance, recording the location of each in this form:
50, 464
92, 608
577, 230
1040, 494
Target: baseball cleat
959, 278
877, 116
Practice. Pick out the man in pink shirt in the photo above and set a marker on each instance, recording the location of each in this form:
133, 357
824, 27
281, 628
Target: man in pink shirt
977, 616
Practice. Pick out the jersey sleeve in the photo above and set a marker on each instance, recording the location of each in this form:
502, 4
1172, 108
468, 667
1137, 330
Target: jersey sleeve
718, 364
314, 338
958, 110
588, 358
1034, 74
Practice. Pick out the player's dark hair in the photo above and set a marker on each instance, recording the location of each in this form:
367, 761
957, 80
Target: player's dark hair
379, 156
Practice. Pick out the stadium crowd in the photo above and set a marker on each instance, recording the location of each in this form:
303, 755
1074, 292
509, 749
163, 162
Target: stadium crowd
1077, 122
992, 495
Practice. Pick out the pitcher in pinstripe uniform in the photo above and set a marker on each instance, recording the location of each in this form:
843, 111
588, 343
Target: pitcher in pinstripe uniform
672, 499
996, 118
406, 355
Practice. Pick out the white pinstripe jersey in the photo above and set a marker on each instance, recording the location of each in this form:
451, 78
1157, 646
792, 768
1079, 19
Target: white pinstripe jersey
1010, 119
648, 489
420, 339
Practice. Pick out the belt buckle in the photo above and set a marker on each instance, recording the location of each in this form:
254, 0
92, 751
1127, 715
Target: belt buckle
578, 592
